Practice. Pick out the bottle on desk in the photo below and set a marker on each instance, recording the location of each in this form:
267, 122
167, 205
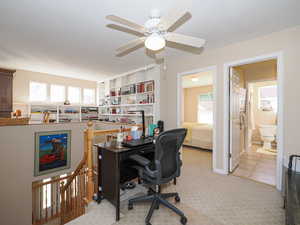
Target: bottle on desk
135, 133
120, 138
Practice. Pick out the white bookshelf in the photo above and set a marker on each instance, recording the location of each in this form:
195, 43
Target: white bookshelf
63, 113
106, 110
124, 93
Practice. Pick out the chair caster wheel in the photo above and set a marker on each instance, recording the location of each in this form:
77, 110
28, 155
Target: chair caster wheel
177, 198
148, 223
183, 220
130, 206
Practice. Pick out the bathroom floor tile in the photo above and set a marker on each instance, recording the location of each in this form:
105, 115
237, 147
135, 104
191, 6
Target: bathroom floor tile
257, 166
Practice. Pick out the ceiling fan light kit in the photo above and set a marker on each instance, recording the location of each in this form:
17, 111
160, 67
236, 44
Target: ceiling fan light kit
157, 31
155, 42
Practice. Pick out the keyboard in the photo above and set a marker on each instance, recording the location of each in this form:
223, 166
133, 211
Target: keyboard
138, 142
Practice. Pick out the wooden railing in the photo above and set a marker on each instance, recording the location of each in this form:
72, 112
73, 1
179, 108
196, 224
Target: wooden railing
46, 200
73, 194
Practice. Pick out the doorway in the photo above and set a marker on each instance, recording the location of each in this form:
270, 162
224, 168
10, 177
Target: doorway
256, 109
196, 109
255, 119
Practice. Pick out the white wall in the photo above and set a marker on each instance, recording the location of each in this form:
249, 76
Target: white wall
286, 41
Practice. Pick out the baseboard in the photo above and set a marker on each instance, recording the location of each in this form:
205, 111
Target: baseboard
220, 171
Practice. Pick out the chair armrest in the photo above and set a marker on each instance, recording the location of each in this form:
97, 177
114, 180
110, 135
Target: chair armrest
140, 160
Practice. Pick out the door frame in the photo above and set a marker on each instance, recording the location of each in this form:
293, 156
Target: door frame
180, 102
280, 119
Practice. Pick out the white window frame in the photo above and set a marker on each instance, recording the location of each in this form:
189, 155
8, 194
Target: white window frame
30, 93
267, 98
198, 108
83, 96
51, 97
80, 94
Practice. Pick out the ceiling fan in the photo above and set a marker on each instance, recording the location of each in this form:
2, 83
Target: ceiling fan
156, 31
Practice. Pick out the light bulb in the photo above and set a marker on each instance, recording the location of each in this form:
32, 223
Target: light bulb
155, 42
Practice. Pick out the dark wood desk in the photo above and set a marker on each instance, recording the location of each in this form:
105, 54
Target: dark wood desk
114, 170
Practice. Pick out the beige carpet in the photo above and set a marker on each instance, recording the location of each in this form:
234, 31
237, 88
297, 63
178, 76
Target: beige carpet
206, 198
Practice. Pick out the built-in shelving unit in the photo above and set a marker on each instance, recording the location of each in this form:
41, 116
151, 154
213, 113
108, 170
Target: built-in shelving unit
116, 98
63, 113
130, 92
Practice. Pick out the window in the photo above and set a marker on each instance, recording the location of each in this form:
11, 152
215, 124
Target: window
74, 94
57, 93
89, 96
205, 108
37, 92
268, 98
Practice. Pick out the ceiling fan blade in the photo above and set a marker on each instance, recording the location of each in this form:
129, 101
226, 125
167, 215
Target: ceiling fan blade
126, 23
125, 29
174, 17
130, 45
185, 40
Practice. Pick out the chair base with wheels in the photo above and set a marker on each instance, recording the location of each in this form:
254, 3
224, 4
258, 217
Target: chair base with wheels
163, 168
157, 198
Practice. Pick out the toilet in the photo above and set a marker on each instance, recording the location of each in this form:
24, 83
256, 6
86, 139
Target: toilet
267, 134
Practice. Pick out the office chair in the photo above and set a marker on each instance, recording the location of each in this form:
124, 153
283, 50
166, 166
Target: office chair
165, 167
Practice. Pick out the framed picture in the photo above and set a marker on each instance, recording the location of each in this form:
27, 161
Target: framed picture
52, 151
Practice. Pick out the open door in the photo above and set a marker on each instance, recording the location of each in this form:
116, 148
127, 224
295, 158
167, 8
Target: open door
237, 103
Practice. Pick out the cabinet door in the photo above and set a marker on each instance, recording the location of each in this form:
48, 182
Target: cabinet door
5, 94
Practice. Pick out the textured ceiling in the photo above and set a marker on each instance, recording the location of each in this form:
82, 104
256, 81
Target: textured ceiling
70, 37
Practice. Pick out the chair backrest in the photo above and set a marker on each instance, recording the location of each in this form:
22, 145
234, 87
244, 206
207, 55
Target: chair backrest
167, 159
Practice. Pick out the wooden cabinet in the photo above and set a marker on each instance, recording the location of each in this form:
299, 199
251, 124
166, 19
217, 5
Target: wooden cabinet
6, 89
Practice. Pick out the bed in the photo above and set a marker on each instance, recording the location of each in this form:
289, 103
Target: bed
198, 135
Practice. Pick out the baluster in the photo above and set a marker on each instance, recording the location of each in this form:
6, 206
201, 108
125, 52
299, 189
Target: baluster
68, 202
52, 198
46, 205
62, 203
33, 205
41, 202
71, 198
76, 200
57, 197
80, 193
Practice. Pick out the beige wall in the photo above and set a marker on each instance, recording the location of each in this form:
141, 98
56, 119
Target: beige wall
22, 79
191, 98
17, 167
286, 41
261, 71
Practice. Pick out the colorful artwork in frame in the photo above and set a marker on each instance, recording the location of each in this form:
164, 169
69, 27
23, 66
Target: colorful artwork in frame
52, 151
